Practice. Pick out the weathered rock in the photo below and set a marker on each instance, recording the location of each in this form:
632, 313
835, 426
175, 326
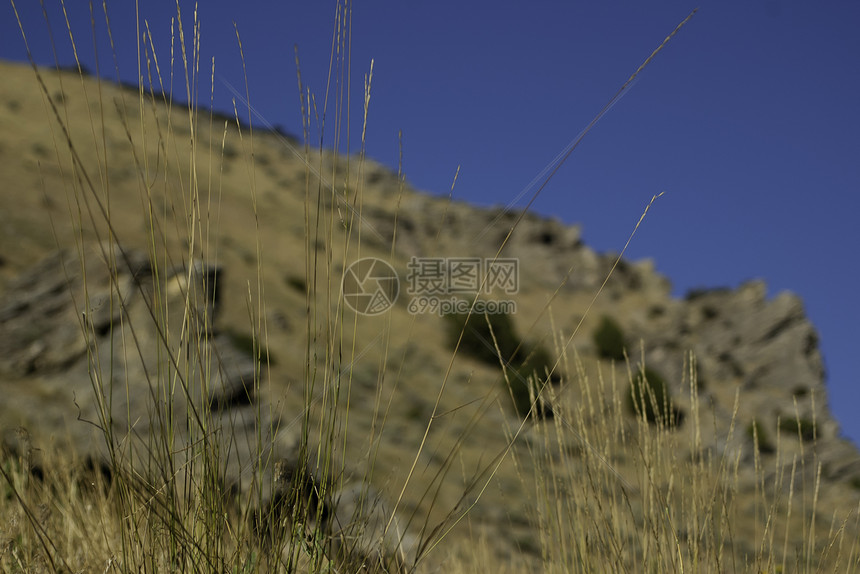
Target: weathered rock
764, 351
112, 356
105, 352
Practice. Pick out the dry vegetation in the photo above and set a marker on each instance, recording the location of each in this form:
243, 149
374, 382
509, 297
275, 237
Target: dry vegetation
591, 489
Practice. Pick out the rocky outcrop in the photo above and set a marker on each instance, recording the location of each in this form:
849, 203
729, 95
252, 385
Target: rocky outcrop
766, 349
107, 352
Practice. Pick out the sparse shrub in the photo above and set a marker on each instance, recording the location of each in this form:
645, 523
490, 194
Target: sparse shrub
541, 362
803, 427
526, 379
521, 388
523, 385
649, 397
525, 363
609, 339
40, 150
656, 311
296, 282
709, 312
699, 292
375, 177
757, 433
479, 335
418, 410
246, 344
229, 151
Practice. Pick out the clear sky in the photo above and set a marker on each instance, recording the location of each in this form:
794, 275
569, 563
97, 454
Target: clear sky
748, 120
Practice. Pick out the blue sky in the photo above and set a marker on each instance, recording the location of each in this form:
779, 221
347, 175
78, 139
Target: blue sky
748, 121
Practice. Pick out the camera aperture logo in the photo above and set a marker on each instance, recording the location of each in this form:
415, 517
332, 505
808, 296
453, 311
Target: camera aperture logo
438, 285
370, 286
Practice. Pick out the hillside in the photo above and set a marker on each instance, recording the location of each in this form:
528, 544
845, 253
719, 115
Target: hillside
421, 418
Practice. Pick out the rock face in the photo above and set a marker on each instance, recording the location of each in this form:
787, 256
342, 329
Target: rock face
130, 350
766, 346
763, 351
111, 355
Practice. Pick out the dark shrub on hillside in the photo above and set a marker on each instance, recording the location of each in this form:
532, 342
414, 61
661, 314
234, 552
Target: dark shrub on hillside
803, 427
250, 345
541, 362
523, 387
756, 432
297, 283
478, 340
649, 397
699, 292
609, 339
524, 363
530, 372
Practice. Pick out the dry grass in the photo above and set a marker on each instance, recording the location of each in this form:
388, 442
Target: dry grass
478, 488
